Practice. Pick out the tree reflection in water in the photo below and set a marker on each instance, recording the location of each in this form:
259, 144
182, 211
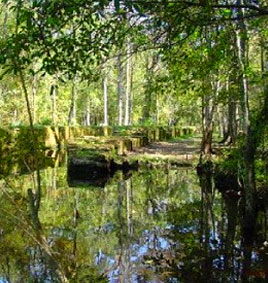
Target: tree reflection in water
157, 225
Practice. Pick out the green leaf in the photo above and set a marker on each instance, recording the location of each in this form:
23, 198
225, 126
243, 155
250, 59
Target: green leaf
226, 12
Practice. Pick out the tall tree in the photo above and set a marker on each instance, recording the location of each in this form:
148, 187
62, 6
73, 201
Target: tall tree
249, 144
105, 100
72, 109
128, 85
120, 88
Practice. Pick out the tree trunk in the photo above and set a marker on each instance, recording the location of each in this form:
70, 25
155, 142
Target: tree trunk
249, 147
34, 94
131, 92
231, 132
148, 103
72, 111
128, 86
222, 122
15, 117
105, 101
120, 89
208, 106
232, 114
53, 96
87, 115
206, 217
148, 95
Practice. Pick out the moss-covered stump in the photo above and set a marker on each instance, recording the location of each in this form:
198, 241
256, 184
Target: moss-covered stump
138, 141
104, 131
50, 138
64, 135
155, 133
116, 144
122, 145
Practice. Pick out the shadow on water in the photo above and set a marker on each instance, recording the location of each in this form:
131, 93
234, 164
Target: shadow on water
153, 225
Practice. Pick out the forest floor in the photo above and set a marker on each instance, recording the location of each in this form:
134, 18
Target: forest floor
178, 150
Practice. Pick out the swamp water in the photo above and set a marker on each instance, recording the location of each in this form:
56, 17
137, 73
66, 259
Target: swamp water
151, 226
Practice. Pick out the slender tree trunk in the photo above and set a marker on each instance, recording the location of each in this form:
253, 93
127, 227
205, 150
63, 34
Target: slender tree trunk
105, 101
231, 131
131, 92
151, 67
75, 224
157, 110
34, 201
221, 121
232, 125
128, 200
35, 148
120, 89
15, 117
53, 97
205, 179
87, 115
120, 219
34, 94
128, 86
208, 106
72, 111
206, 144
148, 97
232, 217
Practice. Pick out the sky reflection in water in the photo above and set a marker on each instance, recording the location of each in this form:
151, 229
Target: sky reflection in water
156, 226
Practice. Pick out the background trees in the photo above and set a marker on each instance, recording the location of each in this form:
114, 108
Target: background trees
201, 63
151, 60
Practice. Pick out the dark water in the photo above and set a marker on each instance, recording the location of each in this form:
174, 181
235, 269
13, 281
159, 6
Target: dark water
155, 226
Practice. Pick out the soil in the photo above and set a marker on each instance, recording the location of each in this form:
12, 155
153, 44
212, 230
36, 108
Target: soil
181, 149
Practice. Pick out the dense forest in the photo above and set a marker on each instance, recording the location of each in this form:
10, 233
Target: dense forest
136, 64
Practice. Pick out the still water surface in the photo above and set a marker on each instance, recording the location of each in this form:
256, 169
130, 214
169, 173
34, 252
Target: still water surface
153, 226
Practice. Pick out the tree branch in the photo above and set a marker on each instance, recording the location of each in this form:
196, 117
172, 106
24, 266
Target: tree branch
203, 4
